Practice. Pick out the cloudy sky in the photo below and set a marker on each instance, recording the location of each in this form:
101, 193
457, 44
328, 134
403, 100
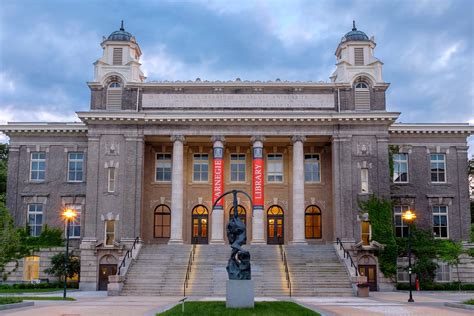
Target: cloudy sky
47, 48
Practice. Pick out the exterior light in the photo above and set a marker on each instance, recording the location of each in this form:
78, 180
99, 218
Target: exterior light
409, 216
69, 214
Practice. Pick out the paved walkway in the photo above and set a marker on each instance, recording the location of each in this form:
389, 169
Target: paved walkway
382, 303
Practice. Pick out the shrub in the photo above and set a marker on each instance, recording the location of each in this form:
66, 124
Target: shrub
10, 300
452, 286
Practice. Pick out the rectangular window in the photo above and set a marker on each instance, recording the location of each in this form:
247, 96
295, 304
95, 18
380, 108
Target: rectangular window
75, 167
443, 272
401, 228
31, 268
312, 168
117, 57
402, 269
358, 56
400, 168
163, 167
35, 219
275, 168
38, 166
111, 179
440, 221
75, 225
109, 233
438, 167
200, 167
365, 233
237, 167
364, 180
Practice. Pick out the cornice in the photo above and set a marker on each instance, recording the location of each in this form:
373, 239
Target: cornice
431, 128
39, 127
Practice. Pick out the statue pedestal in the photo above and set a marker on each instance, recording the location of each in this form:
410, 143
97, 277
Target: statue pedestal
240, 294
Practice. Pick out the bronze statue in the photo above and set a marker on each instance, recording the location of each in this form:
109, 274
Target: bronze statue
238, 266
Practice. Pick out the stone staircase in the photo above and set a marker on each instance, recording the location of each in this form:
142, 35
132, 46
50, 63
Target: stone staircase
315, 270
158, 270
209, 275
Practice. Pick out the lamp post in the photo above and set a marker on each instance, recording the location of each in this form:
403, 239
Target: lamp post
68, 216
409, 217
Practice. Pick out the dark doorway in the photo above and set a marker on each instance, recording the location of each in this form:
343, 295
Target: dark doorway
104, 271
200, 225
371, 272
275, 225
242, 214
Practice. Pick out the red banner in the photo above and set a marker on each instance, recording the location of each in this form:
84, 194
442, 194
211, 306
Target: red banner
257, 179
218, 176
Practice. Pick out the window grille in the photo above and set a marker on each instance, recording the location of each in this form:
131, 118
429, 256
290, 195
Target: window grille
114, 96
358, 56
117, 56
362, 96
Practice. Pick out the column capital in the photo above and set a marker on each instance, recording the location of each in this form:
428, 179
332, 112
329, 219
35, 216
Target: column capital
257, 138
298, 138
218, 138
177, 138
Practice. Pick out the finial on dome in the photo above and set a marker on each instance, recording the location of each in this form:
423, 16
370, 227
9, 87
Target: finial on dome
121, 27
354, 25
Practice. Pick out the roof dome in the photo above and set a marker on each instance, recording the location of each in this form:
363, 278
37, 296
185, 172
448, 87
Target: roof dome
120, 35
355, 35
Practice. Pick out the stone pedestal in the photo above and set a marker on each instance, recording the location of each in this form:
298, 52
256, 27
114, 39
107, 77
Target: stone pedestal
240, 294
114, 288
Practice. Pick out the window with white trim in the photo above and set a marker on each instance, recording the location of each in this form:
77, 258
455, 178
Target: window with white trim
114, 96
200, 167
275, 168
163, 167
443, 272
35, 219
438, 167
237, 167
312, 168
75, 165
109, 232
111, 179
402, 269
362, 96
400, 168
401, 228
440, 221
38, 166
75, 224
364, 180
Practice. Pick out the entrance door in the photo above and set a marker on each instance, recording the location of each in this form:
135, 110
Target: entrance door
371, 272
200, 221
275, 225
104, 271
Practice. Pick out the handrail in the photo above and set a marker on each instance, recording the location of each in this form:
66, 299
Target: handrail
188, 269
287, 271
347, 255
128, 254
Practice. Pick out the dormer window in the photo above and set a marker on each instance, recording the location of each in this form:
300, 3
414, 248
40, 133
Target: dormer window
117, 56
358, 56
114, 96
362, 96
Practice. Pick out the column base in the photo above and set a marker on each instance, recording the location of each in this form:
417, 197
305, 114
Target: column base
175, 242
258, 242
216, 242
298, 242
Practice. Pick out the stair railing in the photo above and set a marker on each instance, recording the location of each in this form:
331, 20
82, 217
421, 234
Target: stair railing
128, 254
347, 255
188, 270
287, 271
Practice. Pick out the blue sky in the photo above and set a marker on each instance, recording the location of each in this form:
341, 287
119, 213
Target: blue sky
47, 49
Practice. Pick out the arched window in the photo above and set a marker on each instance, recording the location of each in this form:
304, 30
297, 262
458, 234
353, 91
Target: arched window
241, 211
275, 225
275, 210
162, 222
362, 96
312, 222
114, 96
200, 217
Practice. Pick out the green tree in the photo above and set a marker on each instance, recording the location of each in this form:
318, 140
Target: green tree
380, 215
450, 252
9, 237
58, 268
3, 168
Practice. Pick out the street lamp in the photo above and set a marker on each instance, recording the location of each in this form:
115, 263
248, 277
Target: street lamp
409, 217
68, 216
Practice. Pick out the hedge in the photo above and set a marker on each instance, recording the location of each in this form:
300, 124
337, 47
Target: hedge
453, 286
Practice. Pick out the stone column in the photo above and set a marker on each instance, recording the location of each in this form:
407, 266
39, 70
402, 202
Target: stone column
177, 189
298, 190
258, 236
217, 220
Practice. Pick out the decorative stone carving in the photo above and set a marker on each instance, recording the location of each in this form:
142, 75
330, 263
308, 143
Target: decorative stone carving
178, 138
298, 138
112, 148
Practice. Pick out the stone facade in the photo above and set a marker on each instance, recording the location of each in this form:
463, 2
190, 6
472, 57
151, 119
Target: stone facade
350, 130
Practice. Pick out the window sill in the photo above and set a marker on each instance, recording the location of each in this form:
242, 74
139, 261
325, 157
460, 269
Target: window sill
161, 182
36, 181
75, 182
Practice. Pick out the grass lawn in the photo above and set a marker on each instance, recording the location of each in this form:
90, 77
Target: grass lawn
469, 302
261, 308
10, 300
29, 290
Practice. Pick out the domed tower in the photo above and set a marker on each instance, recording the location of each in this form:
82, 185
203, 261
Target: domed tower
357, 66
118, 67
